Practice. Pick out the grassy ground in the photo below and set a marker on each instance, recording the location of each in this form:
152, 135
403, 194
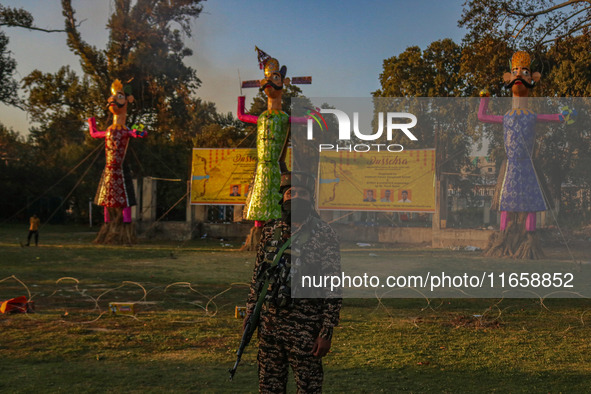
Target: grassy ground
183, 338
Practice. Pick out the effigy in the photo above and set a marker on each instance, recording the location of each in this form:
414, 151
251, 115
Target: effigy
520, 190
115, 192
262, 201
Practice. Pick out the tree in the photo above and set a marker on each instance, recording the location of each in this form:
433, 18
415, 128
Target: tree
526, 23
31, 171
223, 132
146, 48
14, 174
434, 72
19, 17
8, 85
13, 17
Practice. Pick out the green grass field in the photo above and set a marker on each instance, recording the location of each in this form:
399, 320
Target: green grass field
183, 339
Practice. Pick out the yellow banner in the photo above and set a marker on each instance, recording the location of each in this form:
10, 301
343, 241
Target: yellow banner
380, 181
223, 176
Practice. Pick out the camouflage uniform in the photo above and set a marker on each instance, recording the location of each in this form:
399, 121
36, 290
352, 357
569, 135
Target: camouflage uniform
289, 326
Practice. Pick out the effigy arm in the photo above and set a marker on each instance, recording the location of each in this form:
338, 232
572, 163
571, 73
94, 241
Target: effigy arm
247, 118
293, 119
550, 118
483, 114
94, 133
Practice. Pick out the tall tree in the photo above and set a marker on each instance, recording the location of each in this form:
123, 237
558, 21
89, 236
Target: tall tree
146, 48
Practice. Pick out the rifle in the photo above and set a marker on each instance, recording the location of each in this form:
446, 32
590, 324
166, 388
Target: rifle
255, 316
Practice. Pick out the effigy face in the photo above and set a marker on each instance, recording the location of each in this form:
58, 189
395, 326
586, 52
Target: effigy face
119, 99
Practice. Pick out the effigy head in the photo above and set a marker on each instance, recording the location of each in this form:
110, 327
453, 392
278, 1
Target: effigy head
274, 79
120, 97
520, 80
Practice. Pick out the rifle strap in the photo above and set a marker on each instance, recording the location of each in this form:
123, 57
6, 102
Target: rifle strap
263, 293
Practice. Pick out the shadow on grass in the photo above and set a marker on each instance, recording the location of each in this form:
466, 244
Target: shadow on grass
146, 376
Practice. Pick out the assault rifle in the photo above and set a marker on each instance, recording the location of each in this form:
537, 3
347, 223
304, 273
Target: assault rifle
254, 318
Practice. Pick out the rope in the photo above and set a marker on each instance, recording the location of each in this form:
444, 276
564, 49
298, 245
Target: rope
166, 213
71, 191
530, 155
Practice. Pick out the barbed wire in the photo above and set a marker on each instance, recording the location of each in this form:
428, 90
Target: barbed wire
491, 316
210, 308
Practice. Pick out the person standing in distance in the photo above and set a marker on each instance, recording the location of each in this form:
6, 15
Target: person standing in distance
34, 223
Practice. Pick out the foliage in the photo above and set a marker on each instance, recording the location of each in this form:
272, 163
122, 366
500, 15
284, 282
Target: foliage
13, 169
8, 86
19, 17
528, 23
225, 131
13, 17
259, 102
434, 72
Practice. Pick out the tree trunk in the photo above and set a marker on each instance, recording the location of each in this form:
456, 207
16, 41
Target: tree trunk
515, 241
253, 239
115, 232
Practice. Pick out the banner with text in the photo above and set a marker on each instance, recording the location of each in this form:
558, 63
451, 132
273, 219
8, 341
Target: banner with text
223, 176
380, 181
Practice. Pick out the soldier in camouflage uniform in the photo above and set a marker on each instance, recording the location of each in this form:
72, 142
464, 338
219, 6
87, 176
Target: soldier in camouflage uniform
294, 331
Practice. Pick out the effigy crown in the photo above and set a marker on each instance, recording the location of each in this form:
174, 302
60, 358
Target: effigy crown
520, 59
269, 64
116, 86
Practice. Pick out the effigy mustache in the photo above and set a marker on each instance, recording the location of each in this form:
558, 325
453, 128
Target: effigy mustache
116, 103
523, 81
269, 83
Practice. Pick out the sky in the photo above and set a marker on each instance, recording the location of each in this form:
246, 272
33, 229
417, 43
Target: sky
341, 44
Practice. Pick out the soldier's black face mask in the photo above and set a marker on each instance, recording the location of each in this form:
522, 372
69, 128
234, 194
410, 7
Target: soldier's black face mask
296, 210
